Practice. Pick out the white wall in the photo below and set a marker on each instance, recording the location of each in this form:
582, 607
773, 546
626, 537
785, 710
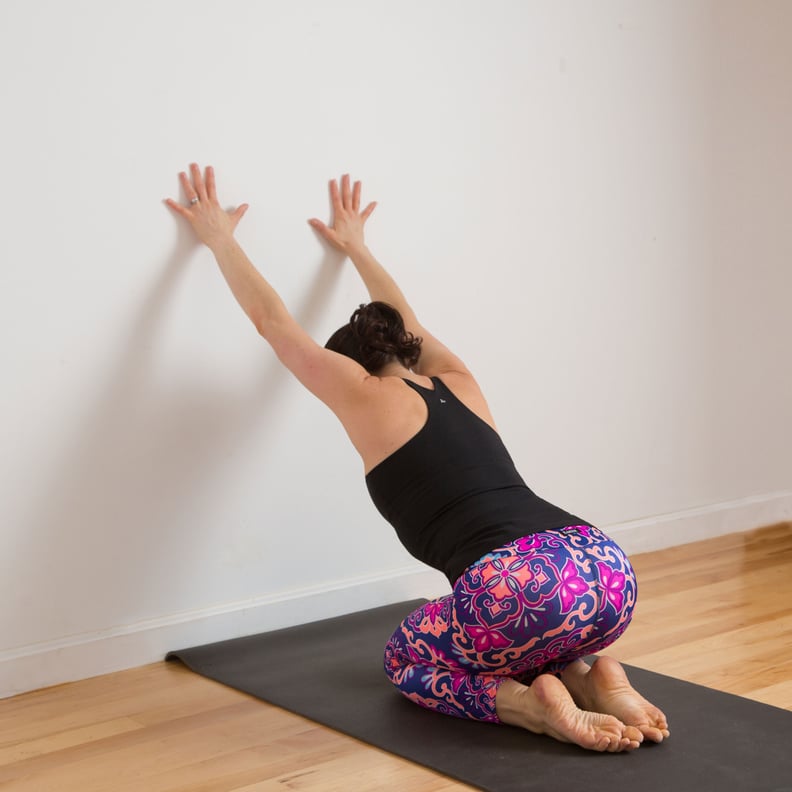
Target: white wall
589, 202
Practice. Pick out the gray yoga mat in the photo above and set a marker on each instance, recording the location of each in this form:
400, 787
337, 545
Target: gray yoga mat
331, 672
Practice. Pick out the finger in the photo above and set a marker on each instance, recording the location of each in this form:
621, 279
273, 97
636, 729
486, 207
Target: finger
368, 210
177, 207
317, 225
187, 187
334, 196
356, 197
197, 180
211, 190
345, 193
324, 231
239, 212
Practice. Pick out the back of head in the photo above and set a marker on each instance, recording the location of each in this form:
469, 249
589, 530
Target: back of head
376, 336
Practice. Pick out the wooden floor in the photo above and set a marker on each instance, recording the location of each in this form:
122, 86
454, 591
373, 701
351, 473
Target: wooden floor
718, 613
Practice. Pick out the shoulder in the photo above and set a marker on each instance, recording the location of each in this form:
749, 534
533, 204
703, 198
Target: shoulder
464, 386
384, 414
460, 382
375, 398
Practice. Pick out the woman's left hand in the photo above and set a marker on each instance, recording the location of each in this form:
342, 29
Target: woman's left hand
212, 224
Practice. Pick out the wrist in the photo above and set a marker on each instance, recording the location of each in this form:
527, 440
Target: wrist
221, 244
358, 251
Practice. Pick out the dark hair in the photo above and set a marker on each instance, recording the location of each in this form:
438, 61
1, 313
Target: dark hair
375, 336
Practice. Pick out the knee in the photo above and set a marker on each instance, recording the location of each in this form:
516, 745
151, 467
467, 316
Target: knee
395, 658
613, 621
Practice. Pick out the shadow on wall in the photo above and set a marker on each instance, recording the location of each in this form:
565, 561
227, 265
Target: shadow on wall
137, 468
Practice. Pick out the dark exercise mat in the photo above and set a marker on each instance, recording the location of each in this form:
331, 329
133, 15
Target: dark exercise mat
331, 672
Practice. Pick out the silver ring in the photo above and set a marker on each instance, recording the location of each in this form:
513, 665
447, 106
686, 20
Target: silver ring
193, 201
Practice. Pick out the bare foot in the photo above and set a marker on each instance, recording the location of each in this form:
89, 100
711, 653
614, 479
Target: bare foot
546, 707
605, 688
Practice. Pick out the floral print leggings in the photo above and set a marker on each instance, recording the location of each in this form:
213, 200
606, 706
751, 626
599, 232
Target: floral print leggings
531, 607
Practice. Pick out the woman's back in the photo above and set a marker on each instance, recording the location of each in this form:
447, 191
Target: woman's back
384, 412
452, 492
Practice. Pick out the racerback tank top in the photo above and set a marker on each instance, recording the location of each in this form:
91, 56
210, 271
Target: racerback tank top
452, 492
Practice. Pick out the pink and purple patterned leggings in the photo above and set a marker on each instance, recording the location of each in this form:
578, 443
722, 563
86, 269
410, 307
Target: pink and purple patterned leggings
531, 607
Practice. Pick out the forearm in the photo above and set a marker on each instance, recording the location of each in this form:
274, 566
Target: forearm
380, 285
255, 296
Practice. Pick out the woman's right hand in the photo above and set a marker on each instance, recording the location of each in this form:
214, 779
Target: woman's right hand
346, 231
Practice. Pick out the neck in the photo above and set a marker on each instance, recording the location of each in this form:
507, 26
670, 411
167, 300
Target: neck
394, 369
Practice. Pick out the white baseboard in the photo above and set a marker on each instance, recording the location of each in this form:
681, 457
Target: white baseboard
116, 649
705, 522
82, 656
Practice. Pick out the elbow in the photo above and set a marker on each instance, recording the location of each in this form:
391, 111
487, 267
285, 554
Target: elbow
267, 326
277, 332
262, 326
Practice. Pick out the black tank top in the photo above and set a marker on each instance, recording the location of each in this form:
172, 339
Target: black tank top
452, 492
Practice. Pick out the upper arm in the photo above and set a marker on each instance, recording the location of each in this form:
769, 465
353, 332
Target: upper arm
436, 358
335, 379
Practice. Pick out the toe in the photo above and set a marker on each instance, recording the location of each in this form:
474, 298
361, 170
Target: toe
603, 744
654, 734
622, 744
613, 745
634, 734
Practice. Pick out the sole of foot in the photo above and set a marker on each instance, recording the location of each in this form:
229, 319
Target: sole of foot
607, 689
559, 717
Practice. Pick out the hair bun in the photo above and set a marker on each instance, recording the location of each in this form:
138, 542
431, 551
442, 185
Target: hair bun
375, 336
